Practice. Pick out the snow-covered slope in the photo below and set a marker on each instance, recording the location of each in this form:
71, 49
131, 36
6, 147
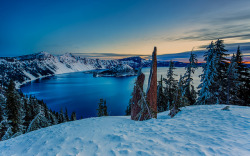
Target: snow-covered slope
29, 67
196, 130
26, 68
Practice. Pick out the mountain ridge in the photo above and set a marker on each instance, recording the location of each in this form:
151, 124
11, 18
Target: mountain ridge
26, 68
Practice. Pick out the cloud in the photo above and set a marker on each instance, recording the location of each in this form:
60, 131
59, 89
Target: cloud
213, 35
241, 16
184, 56
217, 26
107, 55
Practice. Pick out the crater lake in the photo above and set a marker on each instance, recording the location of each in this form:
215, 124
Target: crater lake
81, 92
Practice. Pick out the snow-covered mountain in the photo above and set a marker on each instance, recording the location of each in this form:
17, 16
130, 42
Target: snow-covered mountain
196, 130
29, 67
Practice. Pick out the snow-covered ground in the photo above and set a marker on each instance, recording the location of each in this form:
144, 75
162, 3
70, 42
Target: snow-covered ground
196, 130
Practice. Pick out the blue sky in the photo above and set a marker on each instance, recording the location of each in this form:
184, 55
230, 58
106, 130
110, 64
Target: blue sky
129, 27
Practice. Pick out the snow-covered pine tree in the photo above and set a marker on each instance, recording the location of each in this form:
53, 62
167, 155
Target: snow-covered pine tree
3, 123
244, 79
221, 65
13, 107
27, 110
180, 99
161, 99
171, 85
207, 93
189, 92
233, 82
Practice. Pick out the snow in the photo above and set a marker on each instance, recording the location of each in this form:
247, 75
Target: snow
196, 130
66, 63
29, 75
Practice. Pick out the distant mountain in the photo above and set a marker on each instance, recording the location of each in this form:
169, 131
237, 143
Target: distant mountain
137, 61
30, 67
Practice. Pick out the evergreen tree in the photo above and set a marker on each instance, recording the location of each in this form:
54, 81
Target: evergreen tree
1, 113
46, 110
61, 116
244, 79
207, 92
161, 99
179, 100
52, 120
57, 116
189, 91
27, 109
232, 82
66, 114
73, 116
128, 110
105, 109
171, 85
193, 92
100, 108
221, 65
13, 107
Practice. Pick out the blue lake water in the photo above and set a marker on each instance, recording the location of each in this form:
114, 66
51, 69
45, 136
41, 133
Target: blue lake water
82, 92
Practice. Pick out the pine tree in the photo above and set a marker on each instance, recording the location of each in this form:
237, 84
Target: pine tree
73, 116
171, 85
244, 79
27, 118
128, 110
66, 114
105, 109
57, 116
190, 69
207, 92
222, 64
13, 107
1, 113
100, 108
233, 82
180, 98
161, 99
46, 110
61, 116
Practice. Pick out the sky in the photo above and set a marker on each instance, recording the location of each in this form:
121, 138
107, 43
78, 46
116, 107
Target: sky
112, 28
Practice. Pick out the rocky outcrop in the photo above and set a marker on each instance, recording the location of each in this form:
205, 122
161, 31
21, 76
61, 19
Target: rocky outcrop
143, 106
152, 85
137, 96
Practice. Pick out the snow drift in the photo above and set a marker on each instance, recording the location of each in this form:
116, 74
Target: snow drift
196, 130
